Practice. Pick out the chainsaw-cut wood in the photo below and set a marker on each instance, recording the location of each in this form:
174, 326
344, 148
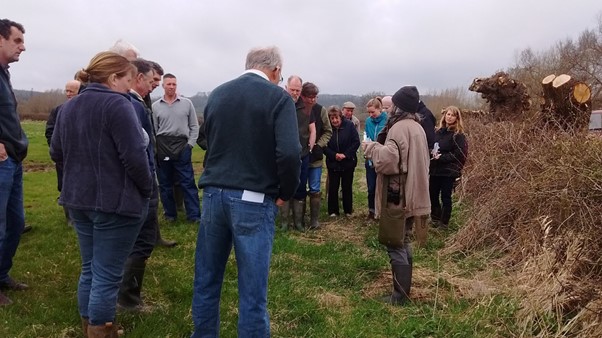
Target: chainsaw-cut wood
548, 79
581, 93
560, 80
566, 103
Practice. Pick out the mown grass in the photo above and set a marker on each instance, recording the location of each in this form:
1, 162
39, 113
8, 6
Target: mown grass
322, 284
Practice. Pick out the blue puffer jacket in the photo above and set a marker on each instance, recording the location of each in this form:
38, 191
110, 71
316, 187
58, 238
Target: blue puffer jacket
99, 141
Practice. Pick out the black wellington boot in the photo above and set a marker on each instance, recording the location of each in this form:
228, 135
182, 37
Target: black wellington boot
298, 214
402, 282
129, 297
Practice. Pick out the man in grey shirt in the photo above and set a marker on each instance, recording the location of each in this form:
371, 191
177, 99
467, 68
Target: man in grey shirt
177, 129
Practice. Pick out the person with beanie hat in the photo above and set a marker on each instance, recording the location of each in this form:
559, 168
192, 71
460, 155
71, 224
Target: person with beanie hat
402, 156
406, 99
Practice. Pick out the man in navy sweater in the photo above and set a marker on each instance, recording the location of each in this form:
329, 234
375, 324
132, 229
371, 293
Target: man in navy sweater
252, 167
13, 149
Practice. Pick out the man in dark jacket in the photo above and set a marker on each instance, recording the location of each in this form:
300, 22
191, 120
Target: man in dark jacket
13, 149
248, 174
71, 89
428, 122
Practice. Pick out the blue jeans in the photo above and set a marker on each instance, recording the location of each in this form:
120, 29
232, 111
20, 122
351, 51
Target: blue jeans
182, 167
314, 179
12, 214
301, 192
105, 241
371, 183
228, 221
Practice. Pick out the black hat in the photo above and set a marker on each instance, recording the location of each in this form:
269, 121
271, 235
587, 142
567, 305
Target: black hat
406, 99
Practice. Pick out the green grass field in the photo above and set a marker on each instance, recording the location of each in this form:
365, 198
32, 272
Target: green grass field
323, 283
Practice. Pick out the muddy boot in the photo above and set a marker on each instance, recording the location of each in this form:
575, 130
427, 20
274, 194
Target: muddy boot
163, 242
85, 325
107, 330
4, 300
284, 212
314, 209
421, 229
402, 282
298, 213
129, 297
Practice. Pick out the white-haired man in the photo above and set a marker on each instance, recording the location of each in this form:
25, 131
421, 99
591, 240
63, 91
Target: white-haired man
240, 201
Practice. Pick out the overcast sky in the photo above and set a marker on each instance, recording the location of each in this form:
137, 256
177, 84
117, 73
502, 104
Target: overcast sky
343, 46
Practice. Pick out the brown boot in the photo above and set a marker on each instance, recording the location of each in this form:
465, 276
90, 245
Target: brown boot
108, 330
85, 324
4, 300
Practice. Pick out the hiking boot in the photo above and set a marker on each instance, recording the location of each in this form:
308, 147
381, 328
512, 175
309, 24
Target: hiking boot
11, 284
4, 300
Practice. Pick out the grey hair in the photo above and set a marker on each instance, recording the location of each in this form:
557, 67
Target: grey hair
121, 47
264, 57
400, 114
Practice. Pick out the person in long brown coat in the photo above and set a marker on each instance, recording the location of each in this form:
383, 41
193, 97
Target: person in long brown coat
406, 138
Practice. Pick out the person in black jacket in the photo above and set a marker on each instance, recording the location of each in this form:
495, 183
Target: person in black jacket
448, 157
428, 122
72, 88
341, 161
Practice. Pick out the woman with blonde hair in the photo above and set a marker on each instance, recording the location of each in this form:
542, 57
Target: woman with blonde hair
447, 160
106, 183
376, 121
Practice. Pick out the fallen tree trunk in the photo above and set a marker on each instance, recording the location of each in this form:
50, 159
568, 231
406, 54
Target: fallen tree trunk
507, 98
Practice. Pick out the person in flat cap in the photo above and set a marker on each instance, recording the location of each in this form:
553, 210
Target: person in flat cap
348, 108
402, 161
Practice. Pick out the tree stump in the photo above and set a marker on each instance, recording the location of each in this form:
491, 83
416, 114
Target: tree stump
507, 98
567, 102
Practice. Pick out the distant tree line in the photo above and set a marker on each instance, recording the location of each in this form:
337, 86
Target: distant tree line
581, 58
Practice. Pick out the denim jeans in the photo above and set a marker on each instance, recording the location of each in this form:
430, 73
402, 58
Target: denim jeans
105, 241
301, 192
371, 183
12, 214
314, 179
182, 167
228, 221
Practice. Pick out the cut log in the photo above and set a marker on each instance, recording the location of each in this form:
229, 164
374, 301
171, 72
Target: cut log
548, 79
546, 84
567, 103
560, 80
581, 93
